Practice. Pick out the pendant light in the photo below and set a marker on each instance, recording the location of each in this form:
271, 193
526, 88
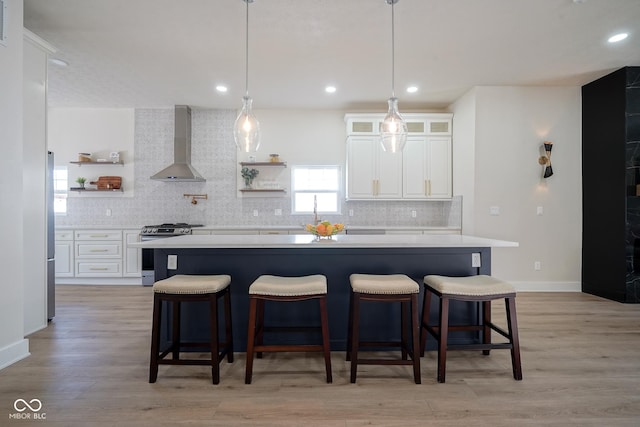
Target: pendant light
246, 130
393, 129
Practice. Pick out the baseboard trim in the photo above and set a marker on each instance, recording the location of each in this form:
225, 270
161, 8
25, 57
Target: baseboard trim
14, 353
99, 281
547, 286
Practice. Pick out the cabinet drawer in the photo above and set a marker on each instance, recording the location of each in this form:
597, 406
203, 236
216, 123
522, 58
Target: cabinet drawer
98, 249
98, 235
100, 268
64, 235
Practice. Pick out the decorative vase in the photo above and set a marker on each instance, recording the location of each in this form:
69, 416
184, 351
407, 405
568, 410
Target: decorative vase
248, 182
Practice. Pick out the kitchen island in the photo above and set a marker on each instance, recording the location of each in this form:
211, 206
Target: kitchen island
245, 257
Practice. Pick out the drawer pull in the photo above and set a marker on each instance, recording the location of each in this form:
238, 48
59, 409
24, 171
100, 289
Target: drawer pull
99, 250
99, 235
98, 269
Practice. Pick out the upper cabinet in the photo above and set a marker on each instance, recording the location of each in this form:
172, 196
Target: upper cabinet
422, 171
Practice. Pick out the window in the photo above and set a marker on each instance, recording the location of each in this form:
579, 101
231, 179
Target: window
319, 184
60, 178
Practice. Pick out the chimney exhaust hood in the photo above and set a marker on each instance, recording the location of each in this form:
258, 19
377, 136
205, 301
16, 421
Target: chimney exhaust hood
181, 169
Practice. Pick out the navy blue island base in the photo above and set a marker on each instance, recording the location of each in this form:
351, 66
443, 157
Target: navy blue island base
378, 321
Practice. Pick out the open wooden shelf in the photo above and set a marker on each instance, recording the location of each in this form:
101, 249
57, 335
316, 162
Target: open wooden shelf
97, 163
281, 164
94, 190
263, 190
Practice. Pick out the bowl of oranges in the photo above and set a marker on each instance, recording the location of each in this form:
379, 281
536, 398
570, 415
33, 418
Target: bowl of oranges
324, 229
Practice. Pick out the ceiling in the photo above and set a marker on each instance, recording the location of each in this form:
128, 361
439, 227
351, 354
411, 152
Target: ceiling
158, 53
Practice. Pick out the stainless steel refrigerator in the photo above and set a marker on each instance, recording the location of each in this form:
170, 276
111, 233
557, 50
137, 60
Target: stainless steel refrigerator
51, 242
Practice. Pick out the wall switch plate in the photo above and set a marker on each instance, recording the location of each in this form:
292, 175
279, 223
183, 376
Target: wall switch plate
537, 266
255, 212
172, 262
350, 212
494, 210
539, 210
108, 212
278, 212
414, 214
475, 260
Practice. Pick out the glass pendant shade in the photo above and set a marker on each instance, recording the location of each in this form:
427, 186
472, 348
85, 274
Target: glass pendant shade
246, 129
393, 129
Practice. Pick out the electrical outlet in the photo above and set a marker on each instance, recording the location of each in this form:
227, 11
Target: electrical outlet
172, 262
494, 210
350, 212
414, 214
537, 266
539, 210
108, 212
255, 212
278, 212
475, 260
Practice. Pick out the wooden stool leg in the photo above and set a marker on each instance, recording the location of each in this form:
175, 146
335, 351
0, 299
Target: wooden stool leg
415, 340
260, 325
426, 312
326, 344
228, 330
251, 337
486, 325
355, 324
155, 338
404, 335
350, 326
213, 337
443, 335
175, 330
512, 321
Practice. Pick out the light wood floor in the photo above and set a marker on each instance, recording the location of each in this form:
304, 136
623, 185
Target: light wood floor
581, 365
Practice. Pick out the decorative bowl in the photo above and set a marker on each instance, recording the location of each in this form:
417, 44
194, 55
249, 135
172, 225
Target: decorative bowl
324, 229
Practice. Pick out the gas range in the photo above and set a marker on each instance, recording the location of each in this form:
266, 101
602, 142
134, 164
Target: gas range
168, 230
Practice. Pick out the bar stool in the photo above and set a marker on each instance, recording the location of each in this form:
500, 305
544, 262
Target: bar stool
285, 289
471, 288
384, 288
189, 288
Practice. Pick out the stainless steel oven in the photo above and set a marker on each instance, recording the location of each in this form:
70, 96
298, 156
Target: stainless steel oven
154, 232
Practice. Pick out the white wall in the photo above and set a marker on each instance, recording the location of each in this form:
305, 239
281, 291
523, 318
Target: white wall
511, 123
34, 182
13, 346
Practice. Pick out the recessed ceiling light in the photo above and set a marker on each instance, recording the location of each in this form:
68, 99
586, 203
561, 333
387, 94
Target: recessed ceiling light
330, 89
221, 88
618, 37
60, 62
412, 89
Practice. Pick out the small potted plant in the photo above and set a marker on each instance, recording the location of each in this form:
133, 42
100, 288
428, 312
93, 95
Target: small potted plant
248, 175
81, 180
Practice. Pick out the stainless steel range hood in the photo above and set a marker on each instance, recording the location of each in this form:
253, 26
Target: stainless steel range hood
181, 169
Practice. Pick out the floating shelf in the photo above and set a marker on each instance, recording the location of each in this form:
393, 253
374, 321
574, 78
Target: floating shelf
263, 190
97, 163
95, 190
281, 164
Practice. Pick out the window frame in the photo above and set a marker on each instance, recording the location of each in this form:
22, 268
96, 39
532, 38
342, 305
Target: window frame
338, 192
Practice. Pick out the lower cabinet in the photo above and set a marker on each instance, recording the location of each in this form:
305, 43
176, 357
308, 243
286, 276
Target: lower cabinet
97, 254
64, 254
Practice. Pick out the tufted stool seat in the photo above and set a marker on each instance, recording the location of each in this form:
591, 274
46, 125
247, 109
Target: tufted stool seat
191, 288
387, 288
285, 289
480, 288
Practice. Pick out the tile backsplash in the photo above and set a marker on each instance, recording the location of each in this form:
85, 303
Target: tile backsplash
214, 156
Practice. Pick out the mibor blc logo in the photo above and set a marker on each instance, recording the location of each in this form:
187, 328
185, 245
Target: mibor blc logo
28, 410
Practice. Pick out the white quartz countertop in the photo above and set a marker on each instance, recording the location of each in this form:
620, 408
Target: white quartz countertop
308, 241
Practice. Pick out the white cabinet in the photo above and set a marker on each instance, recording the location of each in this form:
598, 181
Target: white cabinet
98, 253
422, 171
427, 168
372, 173
64, 253
132, 256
